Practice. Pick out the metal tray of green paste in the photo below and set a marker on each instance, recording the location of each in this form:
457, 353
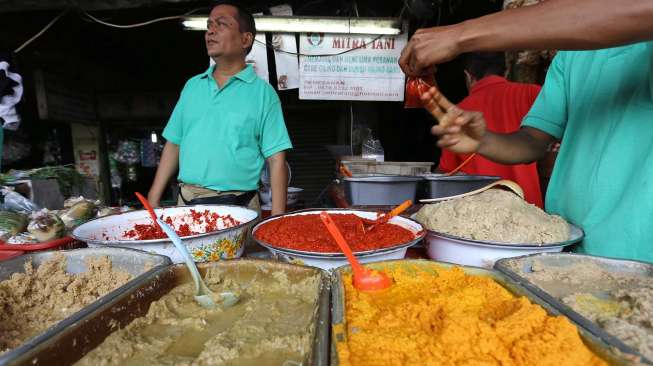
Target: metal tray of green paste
91, 331
572, 274
137, 263
609, 353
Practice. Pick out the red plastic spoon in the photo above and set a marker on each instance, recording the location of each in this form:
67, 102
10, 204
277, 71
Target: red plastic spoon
364, 279
147, 206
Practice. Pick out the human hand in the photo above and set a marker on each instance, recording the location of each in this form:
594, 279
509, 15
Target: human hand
429, 47
458, 130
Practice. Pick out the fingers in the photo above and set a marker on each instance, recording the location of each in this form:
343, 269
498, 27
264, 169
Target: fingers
440, 107
431, 105
442, 101
451, 115
441, 130
411, 59
404, 59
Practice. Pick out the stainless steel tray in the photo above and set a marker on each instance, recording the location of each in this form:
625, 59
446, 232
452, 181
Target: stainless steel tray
442, 185
610, 354
91, 330
515, 267
137, 263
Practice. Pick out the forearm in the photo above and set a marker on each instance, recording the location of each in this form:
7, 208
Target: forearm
560, 24
279, 182
167, 168
520, 147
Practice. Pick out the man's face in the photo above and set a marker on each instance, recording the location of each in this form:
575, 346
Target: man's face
223, 37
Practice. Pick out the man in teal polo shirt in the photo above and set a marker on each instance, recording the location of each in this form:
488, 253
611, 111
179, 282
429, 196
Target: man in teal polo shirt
600, 103
226, 123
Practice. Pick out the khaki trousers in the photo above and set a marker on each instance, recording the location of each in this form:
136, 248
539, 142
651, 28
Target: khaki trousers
191, 191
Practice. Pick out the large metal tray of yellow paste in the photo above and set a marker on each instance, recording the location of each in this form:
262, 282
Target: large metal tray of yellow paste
79, 339
608, 353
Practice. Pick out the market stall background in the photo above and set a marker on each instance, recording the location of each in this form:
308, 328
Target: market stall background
91, 88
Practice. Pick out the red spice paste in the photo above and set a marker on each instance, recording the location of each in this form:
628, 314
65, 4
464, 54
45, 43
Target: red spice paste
182, 228
308, 233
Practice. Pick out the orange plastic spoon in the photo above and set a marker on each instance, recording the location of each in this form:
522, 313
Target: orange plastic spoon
386, 217
147, 206
364, 279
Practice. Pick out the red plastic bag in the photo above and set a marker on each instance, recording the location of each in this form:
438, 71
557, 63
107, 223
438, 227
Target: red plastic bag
415, 87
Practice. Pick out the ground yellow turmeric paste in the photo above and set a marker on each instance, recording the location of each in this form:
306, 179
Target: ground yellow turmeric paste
448, 317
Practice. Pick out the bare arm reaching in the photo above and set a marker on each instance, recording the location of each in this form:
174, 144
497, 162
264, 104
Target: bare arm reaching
466, 132
553, 24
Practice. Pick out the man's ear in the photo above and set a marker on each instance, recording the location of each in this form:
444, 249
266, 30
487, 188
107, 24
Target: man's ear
248, 40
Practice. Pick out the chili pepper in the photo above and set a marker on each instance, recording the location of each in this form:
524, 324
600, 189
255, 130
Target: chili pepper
212, 222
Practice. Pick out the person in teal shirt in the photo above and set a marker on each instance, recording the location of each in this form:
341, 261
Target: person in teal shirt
600, 105
227, 122
598, 102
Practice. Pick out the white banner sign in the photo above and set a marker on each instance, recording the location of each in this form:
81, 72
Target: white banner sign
258, 57
370, 72
285, 50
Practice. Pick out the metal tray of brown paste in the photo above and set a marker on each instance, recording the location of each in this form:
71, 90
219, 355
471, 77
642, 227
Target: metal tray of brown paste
140, 265
90, 331
576, 283
606, 351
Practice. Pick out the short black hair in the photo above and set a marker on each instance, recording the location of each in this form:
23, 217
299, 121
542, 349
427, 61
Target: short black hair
482, 64
245, 19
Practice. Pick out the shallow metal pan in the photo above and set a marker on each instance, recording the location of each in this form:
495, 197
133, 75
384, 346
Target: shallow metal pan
90, 331
139, 264
609, 353
513, 268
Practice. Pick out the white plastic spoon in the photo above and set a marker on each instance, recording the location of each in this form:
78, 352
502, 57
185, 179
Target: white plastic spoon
203, 295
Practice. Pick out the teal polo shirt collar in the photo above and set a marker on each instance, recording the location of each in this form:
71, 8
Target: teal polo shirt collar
247, 74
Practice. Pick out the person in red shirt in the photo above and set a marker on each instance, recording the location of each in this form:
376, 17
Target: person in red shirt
503, 104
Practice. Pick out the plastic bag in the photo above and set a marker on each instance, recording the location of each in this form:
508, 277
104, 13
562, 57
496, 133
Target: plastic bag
80, 211
12, 201
46, 225
372, 149
12, 223
22, 238
415, 87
